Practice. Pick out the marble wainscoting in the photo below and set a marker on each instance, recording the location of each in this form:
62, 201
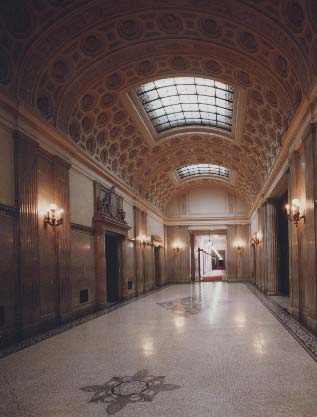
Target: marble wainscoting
307, 340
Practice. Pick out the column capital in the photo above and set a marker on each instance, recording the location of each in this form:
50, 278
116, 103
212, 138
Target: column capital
293, 156
19, 137
271, 200
61, 161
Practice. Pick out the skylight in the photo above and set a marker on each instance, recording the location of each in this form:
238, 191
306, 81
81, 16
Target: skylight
202, 169
187, 101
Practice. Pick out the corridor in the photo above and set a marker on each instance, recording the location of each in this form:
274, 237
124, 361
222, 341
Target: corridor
210, 349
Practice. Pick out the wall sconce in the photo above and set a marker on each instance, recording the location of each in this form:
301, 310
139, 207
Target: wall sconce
239, 246
143, 241
256, 238
294, 214
54, 216
177, 246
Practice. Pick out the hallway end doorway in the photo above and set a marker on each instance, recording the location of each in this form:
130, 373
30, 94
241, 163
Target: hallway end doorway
209, 255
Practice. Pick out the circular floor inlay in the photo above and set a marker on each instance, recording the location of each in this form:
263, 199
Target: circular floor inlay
128, 388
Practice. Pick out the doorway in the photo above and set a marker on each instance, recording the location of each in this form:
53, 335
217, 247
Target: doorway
157, 266
209, 254
112, 268
283, 276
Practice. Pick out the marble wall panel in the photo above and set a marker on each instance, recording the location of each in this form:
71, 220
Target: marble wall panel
307, 232
294, 247
7, 187
238, 264
62, 199
148, 254
26, 159
178, 263
9, 294
81, 198
47, 249
82, 269
129, 271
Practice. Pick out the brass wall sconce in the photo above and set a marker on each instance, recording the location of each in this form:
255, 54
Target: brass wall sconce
143, 241
239, 246
177, 246
294, 213
54, 216
256, 238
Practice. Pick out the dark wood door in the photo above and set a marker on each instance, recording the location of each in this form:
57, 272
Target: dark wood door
283, 247
112, 268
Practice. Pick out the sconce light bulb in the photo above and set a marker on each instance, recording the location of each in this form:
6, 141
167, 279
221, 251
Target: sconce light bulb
54, 216
52, 207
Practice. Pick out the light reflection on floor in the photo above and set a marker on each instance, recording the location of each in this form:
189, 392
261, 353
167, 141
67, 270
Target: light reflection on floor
209, 350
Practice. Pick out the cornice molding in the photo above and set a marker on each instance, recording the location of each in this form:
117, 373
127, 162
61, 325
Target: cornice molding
206, 221
82, 228
8, 210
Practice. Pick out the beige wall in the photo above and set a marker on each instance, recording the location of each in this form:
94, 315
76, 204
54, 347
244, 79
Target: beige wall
82, 268
129, 216
178, 264
81, 198
155, 226
6, 167
238, 264
206, 200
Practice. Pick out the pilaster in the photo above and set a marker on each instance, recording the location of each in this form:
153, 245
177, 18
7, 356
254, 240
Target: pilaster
28, 233
294, 249
62, 235
100, 263
270, 227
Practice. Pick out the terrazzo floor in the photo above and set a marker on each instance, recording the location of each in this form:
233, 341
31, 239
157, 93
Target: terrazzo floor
209, 349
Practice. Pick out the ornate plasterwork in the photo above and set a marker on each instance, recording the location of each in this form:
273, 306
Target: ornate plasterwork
75, 61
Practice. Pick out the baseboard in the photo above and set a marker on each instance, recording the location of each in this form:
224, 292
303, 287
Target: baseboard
310, 323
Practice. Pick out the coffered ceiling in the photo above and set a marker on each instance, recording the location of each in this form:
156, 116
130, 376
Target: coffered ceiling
74, 62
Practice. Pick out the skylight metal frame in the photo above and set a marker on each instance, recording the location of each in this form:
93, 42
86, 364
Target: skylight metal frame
203, 170
187, 101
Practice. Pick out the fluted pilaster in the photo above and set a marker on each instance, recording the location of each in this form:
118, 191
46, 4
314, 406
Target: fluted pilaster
27, 202
294, 247
62, 198
271, 246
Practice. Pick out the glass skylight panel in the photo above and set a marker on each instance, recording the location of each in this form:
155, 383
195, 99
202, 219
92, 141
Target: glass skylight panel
202, 169
185, 101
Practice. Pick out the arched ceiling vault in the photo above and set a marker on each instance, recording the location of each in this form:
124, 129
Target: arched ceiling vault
74, 62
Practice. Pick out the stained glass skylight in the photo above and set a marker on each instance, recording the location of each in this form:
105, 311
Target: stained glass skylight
202, 169
187, 101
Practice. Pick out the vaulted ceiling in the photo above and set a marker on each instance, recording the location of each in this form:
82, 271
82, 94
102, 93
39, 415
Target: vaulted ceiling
74, 62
